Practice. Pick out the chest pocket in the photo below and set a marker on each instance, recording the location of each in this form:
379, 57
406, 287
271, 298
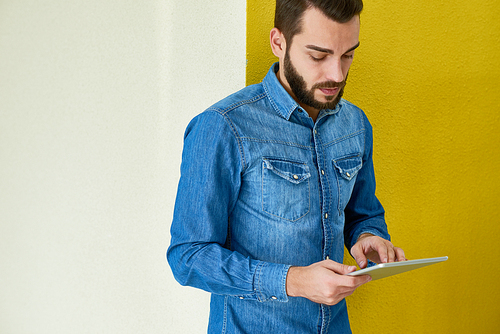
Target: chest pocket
285, 188
347, 168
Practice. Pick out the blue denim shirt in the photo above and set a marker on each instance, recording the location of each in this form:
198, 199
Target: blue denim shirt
263, 188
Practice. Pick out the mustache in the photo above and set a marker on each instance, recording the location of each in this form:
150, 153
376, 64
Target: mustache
329, 84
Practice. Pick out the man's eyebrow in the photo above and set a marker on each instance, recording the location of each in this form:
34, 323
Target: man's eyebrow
320, 49
353, 48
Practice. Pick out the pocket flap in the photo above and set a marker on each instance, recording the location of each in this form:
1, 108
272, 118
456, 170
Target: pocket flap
348, 167
295, 172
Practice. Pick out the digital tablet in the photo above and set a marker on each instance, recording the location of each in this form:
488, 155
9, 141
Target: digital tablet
388, 269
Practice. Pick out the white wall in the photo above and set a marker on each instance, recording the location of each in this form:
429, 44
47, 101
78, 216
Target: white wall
94, 99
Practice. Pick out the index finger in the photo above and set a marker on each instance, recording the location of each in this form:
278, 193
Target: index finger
400, 254
359, 280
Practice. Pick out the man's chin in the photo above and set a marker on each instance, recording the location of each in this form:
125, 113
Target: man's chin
327, 102
330, 104
330, 98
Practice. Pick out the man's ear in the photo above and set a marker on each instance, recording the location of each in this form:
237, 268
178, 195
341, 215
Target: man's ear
278, 43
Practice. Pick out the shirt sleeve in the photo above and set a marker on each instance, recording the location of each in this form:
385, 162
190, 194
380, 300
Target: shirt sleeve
212, 163
364, 212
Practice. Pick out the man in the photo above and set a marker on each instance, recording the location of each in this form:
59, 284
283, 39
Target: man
275, 179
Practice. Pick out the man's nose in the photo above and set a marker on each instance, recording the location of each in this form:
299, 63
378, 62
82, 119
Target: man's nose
334, 71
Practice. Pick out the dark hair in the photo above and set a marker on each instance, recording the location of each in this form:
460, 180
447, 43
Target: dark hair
289, 13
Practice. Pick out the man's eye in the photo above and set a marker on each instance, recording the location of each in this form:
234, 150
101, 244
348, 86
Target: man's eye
348, 56
317, 59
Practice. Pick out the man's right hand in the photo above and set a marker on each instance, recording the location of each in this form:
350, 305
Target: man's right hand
323, 282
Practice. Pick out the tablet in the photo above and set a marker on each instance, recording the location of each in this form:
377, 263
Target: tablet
388, 269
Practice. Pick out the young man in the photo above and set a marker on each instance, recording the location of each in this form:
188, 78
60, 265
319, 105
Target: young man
275, 179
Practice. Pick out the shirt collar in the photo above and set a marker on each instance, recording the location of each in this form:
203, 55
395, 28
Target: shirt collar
281, 100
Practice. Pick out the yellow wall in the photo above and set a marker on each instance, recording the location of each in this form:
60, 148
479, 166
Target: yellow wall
427, 75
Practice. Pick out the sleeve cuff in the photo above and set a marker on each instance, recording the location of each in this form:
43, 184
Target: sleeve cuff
270, 282
374, 232
374, 226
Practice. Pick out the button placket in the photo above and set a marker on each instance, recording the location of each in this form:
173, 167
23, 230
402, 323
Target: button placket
324, 181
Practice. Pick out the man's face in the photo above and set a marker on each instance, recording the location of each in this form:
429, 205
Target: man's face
316, 64
306, 96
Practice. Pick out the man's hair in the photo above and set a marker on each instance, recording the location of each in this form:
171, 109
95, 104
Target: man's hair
289, 13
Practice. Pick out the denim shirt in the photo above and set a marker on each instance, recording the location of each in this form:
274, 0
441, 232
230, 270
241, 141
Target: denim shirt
263, 188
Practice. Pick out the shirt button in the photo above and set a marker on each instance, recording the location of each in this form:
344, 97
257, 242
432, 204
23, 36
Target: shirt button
242, 298
296, 177
327, 257
326, 215
274, 298
348, 174
322, 172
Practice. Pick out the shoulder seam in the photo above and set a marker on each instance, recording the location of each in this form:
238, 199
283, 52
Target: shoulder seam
235, 134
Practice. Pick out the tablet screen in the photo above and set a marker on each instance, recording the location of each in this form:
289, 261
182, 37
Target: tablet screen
388, 269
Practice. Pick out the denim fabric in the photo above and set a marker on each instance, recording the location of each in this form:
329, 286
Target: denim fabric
263, 188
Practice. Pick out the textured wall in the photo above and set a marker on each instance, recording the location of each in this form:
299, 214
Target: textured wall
427, 76
94, 99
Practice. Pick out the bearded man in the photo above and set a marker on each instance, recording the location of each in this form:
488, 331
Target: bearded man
276, 179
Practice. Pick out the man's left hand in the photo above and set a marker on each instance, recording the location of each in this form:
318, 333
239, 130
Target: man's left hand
375, 249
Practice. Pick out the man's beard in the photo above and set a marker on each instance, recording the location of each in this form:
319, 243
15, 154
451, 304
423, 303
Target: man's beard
304, 96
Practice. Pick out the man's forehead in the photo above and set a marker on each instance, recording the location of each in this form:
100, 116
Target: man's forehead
321, 31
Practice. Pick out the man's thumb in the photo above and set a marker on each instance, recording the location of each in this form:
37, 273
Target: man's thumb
339, 268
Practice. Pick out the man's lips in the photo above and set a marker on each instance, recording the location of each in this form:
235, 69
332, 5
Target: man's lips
330, 91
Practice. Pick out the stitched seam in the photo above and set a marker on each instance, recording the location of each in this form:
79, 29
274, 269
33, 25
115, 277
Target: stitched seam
238, 104
271, 101
275, 106
283, 282
339, 188
236, 136
310, 148
240, 144
329, 318
224, 323
364, 138
275, 215
338, 140
326, 225
259, 284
